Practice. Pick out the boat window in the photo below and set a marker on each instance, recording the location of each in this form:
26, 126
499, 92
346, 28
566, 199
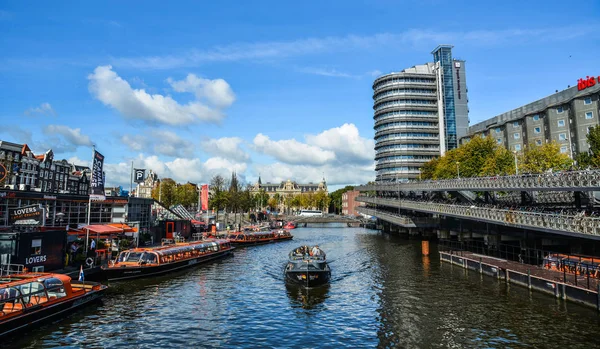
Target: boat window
133, 257
149, 258
33, 293
10, 300
55, 288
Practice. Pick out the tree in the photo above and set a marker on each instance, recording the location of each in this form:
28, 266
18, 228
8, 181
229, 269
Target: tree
335, 198
272, 203
321, 200
500, 163
165, 192
428, 169
538, 159
220, 196
186, 195
262, 198
592, 157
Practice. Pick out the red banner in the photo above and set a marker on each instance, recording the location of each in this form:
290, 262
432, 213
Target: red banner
204, 197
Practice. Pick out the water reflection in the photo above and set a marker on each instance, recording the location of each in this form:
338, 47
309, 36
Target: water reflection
307, 298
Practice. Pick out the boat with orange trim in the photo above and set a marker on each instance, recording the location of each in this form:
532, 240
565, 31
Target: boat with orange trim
290, 225
248, 237
29, 299
170, 256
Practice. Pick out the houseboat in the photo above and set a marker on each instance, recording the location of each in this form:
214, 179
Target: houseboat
307, 266
171, 256
248, 237
29, 299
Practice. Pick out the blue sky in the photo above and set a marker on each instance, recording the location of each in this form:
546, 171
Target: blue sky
191, 89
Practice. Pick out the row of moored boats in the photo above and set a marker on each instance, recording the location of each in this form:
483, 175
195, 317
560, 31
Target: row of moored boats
27, 299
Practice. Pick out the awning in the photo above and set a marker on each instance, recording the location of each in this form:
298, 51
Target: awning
195, 222
103, 230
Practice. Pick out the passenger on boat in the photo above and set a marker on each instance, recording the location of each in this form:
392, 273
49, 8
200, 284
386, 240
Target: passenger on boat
315, 251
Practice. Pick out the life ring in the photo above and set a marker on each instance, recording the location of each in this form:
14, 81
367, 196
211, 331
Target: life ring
89, 262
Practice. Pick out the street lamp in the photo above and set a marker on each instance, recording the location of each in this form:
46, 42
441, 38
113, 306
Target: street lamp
516, 163
458, 169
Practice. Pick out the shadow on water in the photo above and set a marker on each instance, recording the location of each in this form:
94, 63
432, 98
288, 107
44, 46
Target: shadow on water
307, 298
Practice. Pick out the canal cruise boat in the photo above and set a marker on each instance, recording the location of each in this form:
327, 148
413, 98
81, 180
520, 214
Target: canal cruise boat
170, 256
29, 299
248, 238
307, 266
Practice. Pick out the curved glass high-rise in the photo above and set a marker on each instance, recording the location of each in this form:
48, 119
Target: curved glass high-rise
411, 113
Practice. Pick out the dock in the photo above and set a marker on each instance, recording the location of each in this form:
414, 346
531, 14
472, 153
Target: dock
580, 289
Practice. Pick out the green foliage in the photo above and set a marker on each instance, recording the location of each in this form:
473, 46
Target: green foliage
537, 159
186, 195
220, 197
335, 198
165, 192
479, 157
591, 158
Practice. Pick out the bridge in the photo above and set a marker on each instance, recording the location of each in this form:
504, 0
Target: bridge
560, 181
323, 219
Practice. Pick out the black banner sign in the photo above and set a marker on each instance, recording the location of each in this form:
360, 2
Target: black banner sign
139, 175
2, 172
97, 184
27, 215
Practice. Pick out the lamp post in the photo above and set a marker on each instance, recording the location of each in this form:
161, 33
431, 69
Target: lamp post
458, 169
516, 163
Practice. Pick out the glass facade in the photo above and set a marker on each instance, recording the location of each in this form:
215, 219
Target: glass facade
443, 56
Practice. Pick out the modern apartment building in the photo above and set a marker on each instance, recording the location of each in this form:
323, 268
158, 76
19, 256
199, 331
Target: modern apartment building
564, 117
420, 113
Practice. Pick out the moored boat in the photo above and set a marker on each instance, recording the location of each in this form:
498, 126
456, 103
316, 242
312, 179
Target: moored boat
29, 299
308, 266
171, 256
290, 225
247, 238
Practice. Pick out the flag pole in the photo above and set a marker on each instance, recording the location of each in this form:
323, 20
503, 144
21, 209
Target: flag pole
87, 235
131, 182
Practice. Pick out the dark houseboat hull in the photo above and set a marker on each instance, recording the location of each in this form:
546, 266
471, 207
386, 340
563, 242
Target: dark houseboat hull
34, 316
310, 278
116, 274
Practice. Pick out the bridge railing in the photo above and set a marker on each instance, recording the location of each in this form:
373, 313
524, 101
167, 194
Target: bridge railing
535, 220
395, 217
588, 180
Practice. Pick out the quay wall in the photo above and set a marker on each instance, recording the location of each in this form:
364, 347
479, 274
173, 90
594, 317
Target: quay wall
557, 289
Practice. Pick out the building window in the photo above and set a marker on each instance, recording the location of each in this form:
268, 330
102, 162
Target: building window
559, 110
517, 135
537, 130
563, 149
536, 117
499, 140
538, 142
561, 123
589, 115
562, 136
515, 124
517, 147
36, 247
587, 100
498, 130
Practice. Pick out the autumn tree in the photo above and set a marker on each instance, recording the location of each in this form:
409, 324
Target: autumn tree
501, 162
262, 198
538, 159
219, 197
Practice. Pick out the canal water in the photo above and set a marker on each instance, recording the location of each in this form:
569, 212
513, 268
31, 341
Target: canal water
383, 294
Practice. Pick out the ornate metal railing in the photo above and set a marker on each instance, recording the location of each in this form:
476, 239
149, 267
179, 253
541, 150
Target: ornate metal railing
558, 223
398, 219
559, 181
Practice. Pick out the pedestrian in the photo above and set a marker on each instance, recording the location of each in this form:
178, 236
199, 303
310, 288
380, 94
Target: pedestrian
93, 245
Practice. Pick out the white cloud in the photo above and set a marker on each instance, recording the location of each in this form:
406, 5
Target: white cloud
135, 142
291, 151
170, 144
406, 40
226, 147
329, 72
113, 91
43, 109
346, 142
217, 92
71, 135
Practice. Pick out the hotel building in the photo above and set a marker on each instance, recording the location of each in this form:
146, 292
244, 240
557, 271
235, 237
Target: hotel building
420, 113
